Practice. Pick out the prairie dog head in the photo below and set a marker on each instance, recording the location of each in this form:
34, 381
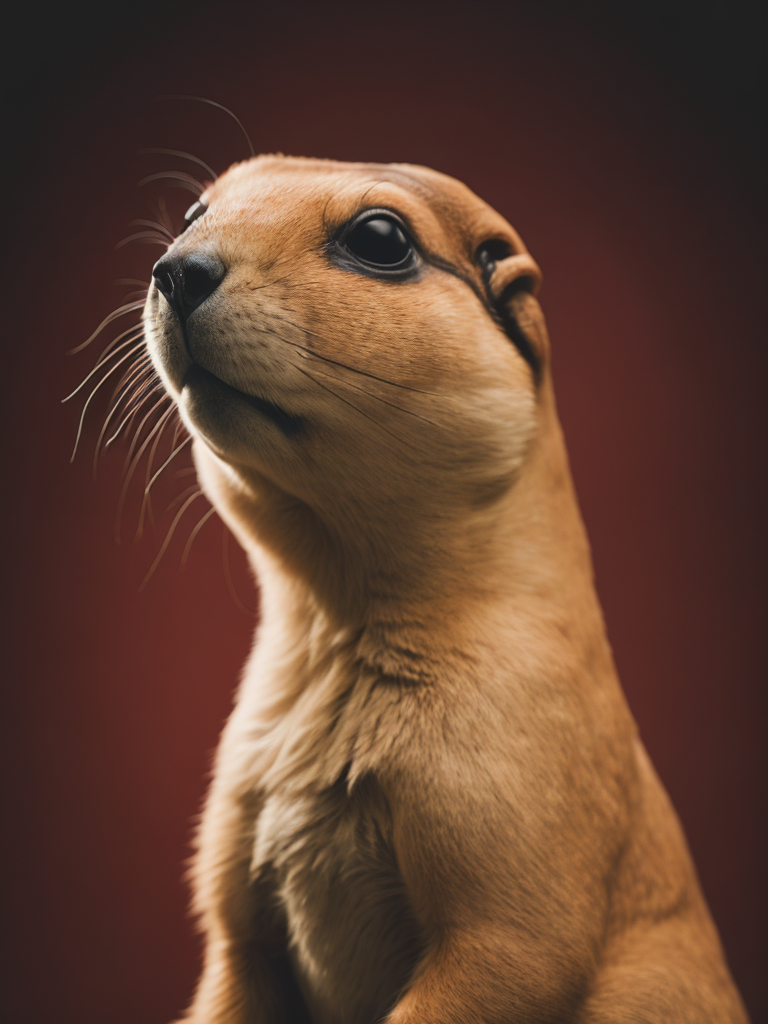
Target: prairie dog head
358, 338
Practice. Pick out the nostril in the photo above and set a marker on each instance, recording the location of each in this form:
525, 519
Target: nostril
162, 273
187, 281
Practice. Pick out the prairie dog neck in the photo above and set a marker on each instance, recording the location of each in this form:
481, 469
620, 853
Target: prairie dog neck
521, 557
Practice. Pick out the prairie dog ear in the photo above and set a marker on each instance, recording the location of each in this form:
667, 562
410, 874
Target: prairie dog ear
511, 282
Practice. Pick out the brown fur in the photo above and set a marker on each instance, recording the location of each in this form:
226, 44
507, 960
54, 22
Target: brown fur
430, 804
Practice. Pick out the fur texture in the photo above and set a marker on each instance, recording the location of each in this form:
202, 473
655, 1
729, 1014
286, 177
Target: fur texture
430, 804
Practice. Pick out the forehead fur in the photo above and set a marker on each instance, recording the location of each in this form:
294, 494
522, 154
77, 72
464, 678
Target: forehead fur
338, 190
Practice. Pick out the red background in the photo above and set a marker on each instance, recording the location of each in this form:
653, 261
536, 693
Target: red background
622, 148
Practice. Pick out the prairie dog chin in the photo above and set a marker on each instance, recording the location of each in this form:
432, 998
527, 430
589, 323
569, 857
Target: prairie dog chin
430, 803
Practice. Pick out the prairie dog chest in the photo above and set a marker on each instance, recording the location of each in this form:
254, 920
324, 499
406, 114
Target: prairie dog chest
352, 938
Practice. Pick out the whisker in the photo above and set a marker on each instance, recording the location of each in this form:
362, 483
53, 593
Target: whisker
353, 406
149, 237
270, 284
90, 397
180, 497
177, 431
139, 401
137, 435
136, 377
104, 359
334, 362
144, 360
183, 156
146, 502
162, 212
153, 224
213, 103
131, 280
167, 540
133, 376
139, 328
185, 180
370, 394
197, 529
129, 307
172, 456
132, 467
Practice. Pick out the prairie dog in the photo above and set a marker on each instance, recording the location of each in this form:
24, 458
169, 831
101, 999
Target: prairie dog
430, 803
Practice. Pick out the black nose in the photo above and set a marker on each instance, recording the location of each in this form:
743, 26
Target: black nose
187, 281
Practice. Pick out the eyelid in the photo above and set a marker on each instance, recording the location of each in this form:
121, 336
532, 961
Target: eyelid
378, 211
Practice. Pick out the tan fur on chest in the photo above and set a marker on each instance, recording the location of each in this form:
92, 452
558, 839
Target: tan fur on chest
322, 836
353, 942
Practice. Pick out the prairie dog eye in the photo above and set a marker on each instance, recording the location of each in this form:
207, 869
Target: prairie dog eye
379, 241
196, 210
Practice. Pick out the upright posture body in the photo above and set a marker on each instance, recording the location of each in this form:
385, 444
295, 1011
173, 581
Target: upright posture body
430, 804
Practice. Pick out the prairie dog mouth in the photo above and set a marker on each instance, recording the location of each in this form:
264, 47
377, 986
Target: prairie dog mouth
199, 379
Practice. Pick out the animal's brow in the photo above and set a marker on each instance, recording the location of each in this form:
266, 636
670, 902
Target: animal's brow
329, 225
370, 189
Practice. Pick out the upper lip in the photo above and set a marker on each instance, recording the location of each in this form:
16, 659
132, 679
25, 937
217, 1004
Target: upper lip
287, 422
196, 365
